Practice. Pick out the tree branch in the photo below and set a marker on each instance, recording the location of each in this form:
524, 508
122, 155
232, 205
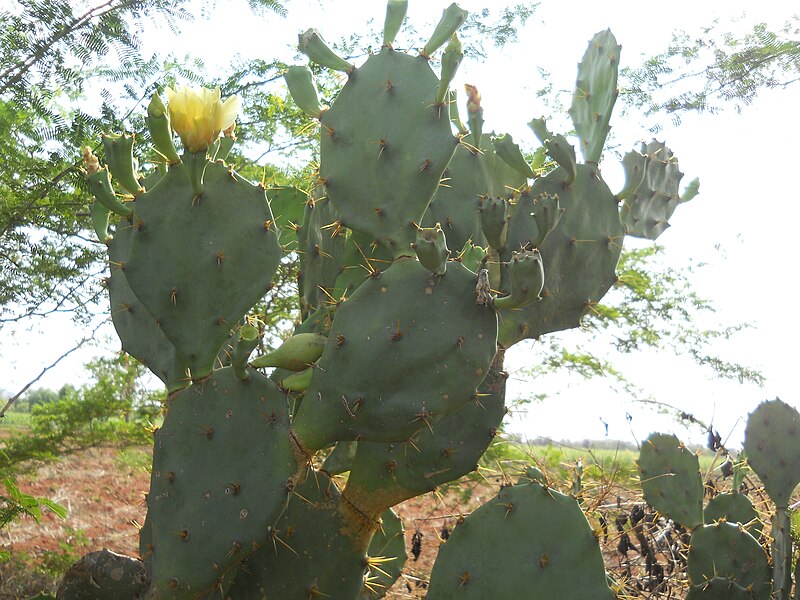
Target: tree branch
24, 389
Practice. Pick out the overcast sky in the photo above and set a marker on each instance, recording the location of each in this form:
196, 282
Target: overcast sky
743, 224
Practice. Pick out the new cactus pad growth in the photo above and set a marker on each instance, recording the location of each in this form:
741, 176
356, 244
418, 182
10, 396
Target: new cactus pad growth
425, 248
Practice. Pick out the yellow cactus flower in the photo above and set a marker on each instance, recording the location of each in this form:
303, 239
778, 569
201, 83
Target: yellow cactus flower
198, 115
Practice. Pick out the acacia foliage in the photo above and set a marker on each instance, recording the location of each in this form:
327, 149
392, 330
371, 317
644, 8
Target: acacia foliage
714, 69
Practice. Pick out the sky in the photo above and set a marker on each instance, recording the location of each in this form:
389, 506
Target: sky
741, 227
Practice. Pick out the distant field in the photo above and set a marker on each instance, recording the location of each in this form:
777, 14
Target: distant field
14, 422
612, 465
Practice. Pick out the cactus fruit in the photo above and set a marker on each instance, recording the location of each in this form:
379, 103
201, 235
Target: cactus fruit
531, 523
295, 354
431, 249
670, 477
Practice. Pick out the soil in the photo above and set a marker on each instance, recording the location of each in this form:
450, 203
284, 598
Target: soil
105, 499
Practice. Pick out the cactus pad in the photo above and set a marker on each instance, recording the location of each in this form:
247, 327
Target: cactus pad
313, 551
647, 211
141, 336
580, 255
515, 542
222, 466
728, 551
199, 262
407, 348
670, 477
386, 120
772, 448
383, 475
595, 94
733, 507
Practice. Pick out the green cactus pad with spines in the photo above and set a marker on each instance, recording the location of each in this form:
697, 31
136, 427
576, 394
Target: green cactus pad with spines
288, 206
386, 121
314, 550
312, 45
473, 173
199, 263
439, 344
670, 478
451, 59
100, 216
772, 448
727, 551
647, 211
580, 255
595, 94
387, 551
383, 475
137, 328
104, 575
719, 588
321, 244
734, 507
100, 184
158, 123
360, 257
530, 523
222, 466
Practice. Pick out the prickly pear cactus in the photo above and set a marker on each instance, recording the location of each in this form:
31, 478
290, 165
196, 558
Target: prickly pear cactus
670, 478
426, 248
513, 546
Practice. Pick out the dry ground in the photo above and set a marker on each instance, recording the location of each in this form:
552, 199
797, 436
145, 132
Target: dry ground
104, 492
